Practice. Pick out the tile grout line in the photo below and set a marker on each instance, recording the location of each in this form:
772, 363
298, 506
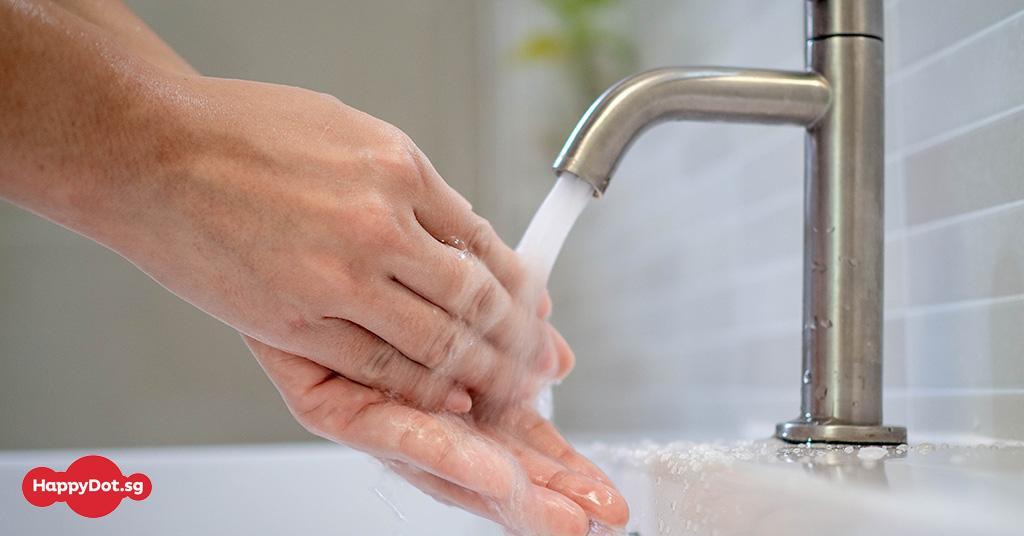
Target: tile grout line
934, 57
951, 134
953, 306
909, 392
929, 226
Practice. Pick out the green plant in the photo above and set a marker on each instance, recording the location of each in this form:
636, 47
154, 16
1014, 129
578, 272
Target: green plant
592, 55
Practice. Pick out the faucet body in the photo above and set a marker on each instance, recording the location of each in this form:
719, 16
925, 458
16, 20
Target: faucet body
839, 100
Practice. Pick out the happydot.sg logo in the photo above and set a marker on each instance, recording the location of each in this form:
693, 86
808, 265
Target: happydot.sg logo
93, 486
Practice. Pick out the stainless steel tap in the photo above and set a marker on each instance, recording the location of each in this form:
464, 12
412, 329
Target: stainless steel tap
839, 100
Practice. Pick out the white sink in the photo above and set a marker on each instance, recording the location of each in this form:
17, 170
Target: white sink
770, 487
758, 487
303, 489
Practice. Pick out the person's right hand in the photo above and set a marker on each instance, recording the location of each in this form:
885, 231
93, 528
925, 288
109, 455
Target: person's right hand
512, 467
319, 230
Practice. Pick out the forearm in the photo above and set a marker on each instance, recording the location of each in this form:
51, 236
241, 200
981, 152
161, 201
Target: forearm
86, 125
129, 31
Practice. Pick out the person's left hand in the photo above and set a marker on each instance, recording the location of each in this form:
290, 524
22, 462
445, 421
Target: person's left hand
512, 466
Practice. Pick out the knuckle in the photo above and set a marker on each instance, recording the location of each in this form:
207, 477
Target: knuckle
401, 159
380, 364
377, 221
481, 237
419, 425
483, 300
310, 415
442, 349
328, 99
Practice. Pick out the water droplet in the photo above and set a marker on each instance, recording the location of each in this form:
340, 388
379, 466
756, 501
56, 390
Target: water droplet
852, 262
831, 229
872, 453
818, 267
807, 376
825, 322
848, 450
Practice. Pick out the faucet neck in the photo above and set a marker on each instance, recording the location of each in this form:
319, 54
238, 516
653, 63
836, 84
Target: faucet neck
831, 18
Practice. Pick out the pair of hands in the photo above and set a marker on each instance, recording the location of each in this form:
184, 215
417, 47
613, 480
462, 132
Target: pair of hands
353, 280
367, 288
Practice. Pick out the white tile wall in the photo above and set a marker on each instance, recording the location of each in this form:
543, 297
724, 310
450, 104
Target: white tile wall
680, 291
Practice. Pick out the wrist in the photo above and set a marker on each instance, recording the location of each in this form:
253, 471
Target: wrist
130, 179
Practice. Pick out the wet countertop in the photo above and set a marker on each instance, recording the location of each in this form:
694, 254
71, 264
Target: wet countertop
771, 487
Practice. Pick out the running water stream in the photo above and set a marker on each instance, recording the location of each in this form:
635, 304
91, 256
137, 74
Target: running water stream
545, 235
551, 224
539, 248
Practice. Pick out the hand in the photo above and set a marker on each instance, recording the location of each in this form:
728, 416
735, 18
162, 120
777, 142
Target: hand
514, 469
324, 232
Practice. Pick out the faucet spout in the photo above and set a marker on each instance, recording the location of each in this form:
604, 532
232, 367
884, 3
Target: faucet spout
639, 102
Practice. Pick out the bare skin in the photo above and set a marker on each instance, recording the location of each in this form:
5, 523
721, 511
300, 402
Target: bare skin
320, 233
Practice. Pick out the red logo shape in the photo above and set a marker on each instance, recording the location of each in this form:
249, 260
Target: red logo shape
93, 486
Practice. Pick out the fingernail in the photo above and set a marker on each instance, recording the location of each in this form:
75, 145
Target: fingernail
600, 500
458, 401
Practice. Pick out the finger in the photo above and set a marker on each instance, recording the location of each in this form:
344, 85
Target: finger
446, 215
457, 282
541, 435
541, 512
544, 305
431, 337
363, 357
600, 500
566, 359
349, 413
346, 412
445, 492
467, 291
428, 335
309, 389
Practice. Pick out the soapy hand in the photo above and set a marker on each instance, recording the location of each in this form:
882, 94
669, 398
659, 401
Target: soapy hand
513, 467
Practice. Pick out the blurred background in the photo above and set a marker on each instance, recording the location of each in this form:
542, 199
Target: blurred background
680, 291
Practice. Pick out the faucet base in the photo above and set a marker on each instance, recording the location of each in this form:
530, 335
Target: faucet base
800, 431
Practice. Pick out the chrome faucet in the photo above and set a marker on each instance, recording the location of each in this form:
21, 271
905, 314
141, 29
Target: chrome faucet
839, 100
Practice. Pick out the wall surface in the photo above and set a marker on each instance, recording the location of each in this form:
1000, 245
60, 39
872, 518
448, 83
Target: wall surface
681, 290
92, 352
